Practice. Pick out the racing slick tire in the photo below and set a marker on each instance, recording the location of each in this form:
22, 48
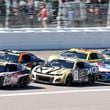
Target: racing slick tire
91, 79
1, 81
69, 80
24, 81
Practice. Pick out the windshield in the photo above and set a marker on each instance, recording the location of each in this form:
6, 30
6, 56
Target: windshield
74, 54
106, 61
61, 63
9, 57
33, 57
106, 52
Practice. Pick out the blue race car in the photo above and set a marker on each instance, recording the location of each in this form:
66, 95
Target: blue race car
104, 70
106, 53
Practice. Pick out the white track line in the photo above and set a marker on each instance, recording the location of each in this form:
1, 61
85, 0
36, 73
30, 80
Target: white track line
54, 92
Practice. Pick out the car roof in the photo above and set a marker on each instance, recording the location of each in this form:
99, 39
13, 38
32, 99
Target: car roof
73, 60
86, 51
14, 52
7, 62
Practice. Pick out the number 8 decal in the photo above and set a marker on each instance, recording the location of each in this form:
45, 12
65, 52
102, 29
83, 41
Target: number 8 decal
76, 75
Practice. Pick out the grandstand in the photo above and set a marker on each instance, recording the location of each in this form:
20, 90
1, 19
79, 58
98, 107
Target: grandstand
62, 13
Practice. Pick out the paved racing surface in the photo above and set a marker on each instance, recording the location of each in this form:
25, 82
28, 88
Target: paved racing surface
47, 97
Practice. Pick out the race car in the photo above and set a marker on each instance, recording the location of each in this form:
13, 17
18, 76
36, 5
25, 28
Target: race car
106, 53
104, 70
27, 59
65, 71
85, 54
12, 74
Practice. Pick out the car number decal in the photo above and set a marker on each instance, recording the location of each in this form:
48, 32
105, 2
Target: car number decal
94, 69
7, 79
76, 76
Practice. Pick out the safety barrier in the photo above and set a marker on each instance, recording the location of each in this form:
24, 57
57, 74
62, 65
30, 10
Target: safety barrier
38, 39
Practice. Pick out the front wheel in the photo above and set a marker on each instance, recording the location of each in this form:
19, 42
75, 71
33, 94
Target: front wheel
91, 79
1, 81
69, 80
24, 81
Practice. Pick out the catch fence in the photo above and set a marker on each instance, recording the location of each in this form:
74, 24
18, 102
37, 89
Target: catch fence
64, 15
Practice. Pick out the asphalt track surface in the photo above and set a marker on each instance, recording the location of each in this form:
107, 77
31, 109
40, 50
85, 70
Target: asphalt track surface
50, 97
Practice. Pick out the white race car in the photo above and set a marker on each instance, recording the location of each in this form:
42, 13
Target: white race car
68, 71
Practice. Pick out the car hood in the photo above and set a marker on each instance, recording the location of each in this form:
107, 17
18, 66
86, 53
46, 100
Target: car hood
53, 57
5, 73
50, 70
107, 66
104, 69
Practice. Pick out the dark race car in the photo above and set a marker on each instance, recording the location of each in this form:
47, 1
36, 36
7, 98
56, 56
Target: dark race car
12, 74
28, 59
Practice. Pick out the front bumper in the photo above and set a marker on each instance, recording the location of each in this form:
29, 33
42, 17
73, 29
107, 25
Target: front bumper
103, 76
49, 79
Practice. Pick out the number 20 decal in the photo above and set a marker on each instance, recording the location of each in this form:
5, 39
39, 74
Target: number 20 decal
7, 79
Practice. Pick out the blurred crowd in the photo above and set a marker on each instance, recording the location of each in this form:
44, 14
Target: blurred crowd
48, 13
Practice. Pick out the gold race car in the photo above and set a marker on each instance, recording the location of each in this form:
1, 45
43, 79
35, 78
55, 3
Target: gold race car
85, 54
65, 71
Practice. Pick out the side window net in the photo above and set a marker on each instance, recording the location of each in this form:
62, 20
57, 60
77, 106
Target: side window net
11, 68
80, 65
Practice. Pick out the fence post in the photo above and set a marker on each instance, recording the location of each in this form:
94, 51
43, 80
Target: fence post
108, 16
7, 13
59, 14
